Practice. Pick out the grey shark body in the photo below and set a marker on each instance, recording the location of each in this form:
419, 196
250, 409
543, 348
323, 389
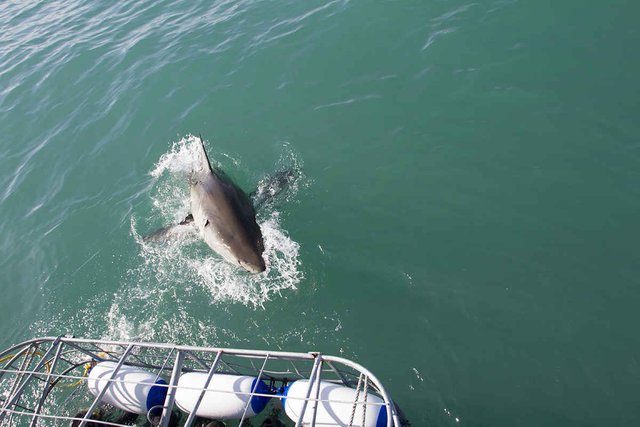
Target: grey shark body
225, 217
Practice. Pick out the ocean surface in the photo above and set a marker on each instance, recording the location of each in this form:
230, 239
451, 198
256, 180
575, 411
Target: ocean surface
466, 221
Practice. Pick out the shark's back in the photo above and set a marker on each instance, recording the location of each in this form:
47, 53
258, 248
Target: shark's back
226, 218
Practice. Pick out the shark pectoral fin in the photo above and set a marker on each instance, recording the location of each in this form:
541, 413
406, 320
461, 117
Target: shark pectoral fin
172, 232
187, 220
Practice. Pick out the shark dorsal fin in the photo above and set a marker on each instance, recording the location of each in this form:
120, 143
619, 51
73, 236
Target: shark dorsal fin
206, 156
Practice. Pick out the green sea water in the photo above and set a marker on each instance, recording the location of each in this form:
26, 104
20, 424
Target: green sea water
466, 224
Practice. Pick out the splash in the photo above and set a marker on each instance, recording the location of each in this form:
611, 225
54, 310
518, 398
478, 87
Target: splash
186, 262
179, 290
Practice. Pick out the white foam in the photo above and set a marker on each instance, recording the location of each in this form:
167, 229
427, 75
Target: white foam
182, 158
185, 261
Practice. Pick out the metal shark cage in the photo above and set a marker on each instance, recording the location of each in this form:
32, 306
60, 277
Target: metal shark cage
82, 382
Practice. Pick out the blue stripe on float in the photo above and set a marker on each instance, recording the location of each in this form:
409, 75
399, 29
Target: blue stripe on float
285, 393
259, 402
382, 417
157, 394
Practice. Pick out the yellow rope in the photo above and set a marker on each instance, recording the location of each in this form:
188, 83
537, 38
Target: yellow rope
36, 353
47, 364
87, 366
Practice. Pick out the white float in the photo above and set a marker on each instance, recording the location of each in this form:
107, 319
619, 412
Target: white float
335, 407
133, 389
226, 397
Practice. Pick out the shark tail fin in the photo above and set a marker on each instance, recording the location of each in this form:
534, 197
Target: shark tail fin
274, 185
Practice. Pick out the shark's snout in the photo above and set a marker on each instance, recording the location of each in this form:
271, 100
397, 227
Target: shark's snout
257, 266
